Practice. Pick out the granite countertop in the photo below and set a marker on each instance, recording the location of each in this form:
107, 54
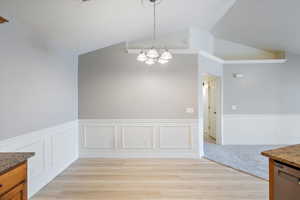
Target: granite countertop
289, 155
11, 160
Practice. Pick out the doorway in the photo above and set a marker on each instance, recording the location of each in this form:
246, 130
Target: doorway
212, 109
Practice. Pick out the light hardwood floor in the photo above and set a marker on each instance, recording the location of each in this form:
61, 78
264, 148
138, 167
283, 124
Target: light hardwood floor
153, 179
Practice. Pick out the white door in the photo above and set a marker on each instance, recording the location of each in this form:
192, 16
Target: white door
205, 108
212, 108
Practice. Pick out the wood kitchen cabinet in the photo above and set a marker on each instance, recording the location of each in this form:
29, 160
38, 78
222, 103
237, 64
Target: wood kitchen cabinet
284, 173
13, 183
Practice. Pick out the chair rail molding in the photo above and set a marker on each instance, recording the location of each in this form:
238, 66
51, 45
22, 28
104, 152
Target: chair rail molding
134, 138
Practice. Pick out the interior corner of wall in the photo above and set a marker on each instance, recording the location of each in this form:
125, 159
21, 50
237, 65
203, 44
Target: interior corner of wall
201, 40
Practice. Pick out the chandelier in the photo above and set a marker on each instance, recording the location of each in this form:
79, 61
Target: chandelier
154, 55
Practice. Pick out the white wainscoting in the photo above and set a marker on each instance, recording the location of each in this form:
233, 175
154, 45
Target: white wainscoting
55, 149
125, 138
261, 129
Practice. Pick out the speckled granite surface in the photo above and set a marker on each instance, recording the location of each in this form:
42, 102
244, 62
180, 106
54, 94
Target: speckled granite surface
289, 155
10, 160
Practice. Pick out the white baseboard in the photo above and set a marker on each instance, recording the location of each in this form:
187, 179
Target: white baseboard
55, 149
139, 138
261, 129
124, 155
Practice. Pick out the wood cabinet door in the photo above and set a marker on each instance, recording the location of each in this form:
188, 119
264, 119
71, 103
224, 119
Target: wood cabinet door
18, 193
13, 178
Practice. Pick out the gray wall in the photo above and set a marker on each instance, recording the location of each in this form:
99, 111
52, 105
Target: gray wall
113, 85
37, 88
265, 88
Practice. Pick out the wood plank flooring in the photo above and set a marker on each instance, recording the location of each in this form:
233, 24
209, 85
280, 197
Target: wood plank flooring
152, 179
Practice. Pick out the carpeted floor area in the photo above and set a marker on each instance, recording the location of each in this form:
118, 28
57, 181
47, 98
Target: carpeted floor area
242, 157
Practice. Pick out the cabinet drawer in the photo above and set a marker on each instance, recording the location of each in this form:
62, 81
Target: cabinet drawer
12, 178
18, 193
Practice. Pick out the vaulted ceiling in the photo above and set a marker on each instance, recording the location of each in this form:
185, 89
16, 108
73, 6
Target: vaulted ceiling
264, 24
80, 27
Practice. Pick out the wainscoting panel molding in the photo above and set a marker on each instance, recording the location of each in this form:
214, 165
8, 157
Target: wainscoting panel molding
55, 149
137, 137
182, 137
178, 138
99, 136
275, 129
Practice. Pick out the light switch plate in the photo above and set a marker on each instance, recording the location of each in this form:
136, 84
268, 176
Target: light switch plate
189, 110
234, 107
236, 75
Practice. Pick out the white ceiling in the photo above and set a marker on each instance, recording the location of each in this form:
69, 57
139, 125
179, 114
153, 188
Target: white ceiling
178, 40
265, 24
80, 27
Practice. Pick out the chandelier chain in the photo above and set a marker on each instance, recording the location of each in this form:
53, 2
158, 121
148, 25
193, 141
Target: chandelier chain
154, 22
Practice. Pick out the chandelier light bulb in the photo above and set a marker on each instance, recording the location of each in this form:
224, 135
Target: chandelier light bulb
150, 61
166, 55
152, 53
142, 57
162, 61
